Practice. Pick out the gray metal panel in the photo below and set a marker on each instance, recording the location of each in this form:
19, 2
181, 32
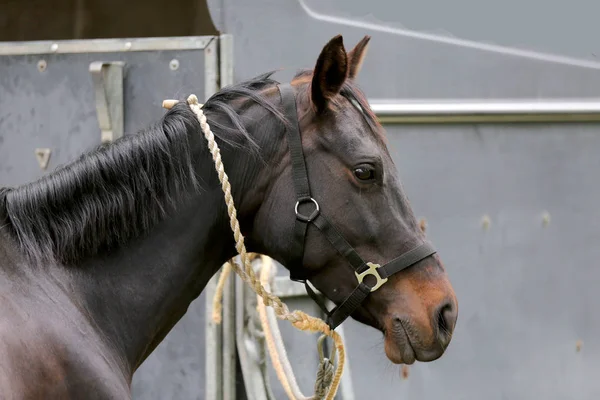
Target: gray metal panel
405, 63
525, 290
483, 22
55, 109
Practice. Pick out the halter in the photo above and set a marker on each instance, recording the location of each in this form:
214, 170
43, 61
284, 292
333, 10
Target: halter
361, 268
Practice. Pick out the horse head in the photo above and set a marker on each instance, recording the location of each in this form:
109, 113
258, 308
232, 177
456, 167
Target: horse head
336, 215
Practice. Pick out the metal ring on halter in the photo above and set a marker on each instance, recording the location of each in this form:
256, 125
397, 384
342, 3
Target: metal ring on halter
313, 215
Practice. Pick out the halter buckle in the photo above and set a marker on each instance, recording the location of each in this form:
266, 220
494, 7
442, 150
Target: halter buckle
313, 215
371, 271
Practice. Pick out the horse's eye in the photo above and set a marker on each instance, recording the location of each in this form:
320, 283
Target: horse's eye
364, 173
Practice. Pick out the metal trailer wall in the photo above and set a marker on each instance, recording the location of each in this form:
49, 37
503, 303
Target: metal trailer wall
512, 207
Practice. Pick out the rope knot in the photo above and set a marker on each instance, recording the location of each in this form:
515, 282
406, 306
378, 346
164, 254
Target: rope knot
324, 378
192, 99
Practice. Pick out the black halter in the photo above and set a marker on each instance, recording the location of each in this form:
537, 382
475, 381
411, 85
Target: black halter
362, 269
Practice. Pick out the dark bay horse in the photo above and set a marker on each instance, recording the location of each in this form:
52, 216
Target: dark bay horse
100, 258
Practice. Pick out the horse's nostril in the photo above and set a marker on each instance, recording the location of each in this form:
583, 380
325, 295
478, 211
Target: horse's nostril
446, 318
397, 325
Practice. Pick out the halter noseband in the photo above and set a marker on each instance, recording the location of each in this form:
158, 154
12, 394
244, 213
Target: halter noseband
361, 268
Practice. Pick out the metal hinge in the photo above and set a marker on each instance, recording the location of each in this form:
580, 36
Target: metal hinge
107, 77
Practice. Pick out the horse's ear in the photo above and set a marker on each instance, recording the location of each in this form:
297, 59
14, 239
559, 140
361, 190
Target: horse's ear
356, 57
330, 73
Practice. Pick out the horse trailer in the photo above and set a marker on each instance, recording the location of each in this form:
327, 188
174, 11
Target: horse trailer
492, 118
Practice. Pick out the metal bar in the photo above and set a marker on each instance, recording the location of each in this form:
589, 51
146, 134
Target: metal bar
211, 69
218, 343
229, 332
105, 45
213, 341
486, 111
250, 347
226, 60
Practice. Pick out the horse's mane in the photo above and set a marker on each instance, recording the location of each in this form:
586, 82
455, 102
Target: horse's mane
90, 204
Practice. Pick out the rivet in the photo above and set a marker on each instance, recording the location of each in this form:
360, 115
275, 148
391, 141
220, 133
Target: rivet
54, 47
423, 224
174, 64
41, 65
545, 218
43, 157
485, 222
127, 45
578, 345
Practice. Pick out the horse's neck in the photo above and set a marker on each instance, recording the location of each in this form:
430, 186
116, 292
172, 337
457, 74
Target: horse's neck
134, 295
137, 294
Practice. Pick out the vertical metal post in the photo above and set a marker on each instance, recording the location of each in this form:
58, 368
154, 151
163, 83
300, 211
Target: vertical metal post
214, 333
250, 343
211, 67
213, 365
229, 354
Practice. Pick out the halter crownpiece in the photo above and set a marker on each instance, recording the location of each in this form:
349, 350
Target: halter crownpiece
361, 268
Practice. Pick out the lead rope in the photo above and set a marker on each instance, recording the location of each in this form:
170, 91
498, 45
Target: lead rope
278, 353
275, 345
297, 318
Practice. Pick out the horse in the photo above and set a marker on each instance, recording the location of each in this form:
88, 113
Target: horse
102, 256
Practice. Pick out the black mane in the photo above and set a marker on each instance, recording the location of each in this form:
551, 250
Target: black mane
90, 204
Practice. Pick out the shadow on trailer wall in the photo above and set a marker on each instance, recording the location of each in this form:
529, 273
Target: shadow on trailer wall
95, 19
